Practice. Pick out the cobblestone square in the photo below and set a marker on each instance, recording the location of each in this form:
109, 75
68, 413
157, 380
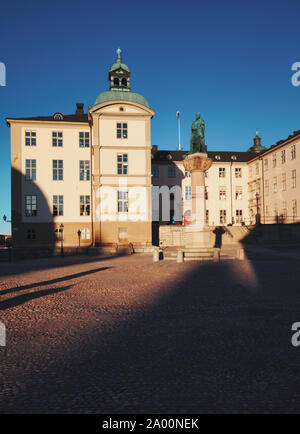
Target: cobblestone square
125, 335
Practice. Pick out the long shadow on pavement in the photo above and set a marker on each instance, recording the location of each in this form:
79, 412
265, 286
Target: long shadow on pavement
53, 281
217, 341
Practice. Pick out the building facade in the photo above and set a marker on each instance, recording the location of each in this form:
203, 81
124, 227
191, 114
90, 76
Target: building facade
87, 179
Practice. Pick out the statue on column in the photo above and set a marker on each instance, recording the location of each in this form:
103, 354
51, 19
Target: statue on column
198, 136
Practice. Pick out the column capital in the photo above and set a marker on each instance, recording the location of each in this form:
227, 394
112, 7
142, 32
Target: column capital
198, 162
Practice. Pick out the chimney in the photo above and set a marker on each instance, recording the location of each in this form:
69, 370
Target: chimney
79, 109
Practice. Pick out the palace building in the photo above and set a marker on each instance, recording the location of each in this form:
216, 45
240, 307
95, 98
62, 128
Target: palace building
86, 179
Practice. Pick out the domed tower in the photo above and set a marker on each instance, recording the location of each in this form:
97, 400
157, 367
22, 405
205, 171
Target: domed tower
119, 74
121, 163
257, 147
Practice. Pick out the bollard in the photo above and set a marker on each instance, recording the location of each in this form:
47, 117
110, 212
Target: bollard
179, 256
241, 254
155, 254
216, 253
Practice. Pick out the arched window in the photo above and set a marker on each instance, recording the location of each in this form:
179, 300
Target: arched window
116, 81
124, 82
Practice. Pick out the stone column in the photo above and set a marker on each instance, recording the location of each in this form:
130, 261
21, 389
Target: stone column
198, 233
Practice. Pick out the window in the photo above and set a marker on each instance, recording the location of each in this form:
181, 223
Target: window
222, 193
84, 205
122, 164
122, 131
31, 234
238, 172
116, 81
266, 164
187, 174
84, 139
30, 138
58, 116
171, 172
239, 215
221, 172
85, 234
238, 193
84, 170
284, 210
207, 216
58, 205
155, 172
294, 208
283, 182
206, 192
58, 170
283, 156
188, 193
293, 152
57, 138
122, 201
124, 82
274, 160
293, 178
223, 216
267, 188
275, 184
30, 206
30, 170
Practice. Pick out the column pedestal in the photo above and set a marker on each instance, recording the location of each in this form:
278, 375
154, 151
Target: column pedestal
198, 232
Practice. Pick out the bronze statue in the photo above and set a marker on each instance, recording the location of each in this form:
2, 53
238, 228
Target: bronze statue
198, 135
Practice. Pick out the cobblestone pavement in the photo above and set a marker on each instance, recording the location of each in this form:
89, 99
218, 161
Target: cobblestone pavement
124, 335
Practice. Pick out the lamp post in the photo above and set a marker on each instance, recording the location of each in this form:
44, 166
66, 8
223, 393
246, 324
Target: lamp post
5, 219
79, 235
178, 117
61, 227
257, 219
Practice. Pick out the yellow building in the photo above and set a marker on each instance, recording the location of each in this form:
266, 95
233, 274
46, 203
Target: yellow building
86, 179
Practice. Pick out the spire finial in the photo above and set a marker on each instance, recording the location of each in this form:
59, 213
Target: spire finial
257, 134
119, 52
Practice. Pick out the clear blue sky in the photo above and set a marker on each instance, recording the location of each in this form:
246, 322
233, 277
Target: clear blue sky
231, 61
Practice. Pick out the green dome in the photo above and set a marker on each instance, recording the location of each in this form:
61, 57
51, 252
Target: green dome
119, 65
116, 95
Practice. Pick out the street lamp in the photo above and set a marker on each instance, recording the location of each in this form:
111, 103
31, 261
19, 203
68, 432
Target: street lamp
5, 219
79, 235
178, 117
61, 227
257, 209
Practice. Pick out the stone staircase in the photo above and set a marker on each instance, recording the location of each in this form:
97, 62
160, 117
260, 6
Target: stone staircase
191, 254
198, 254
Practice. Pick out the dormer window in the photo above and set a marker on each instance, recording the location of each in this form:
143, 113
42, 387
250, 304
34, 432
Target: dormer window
217, 157
58, 116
